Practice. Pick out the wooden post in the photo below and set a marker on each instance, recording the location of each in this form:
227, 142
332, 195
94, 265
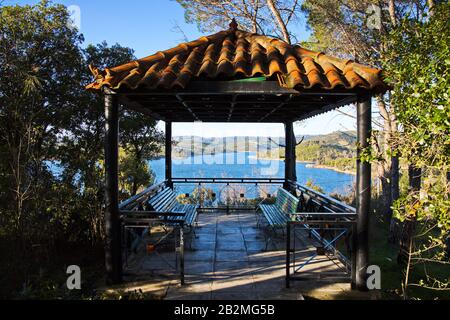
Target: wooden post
289, 155
168, 157
363, 173
113, 250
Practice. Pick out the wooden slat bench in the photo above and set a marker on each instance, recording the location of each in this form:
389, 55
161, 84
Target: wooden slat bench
166, 201
162, 207
278, 214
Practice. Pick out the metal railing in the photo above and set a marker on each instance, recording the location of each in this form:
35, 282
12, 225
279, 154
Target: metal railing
243, 188
133, 203
323, 202
226, 193
246, 193
321, 213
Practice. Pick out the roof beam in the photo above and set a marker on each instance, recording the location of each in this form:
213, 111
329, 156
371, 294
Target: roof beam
329, 107
233, 104
133, 105
218, 87
281, 105
187, 107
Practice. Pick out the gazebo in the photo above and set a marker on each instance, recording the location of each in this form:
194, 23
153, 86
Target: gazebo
237, 76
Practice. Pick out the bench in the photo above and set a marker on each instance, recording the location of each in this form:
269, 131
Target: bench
172, 214
278, 214
166, 201
163, 208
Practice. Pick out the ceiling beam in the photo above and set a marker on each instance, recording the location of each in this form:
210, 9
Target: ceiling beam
233, 104
281, 105
187, 107
329, 107
218, 87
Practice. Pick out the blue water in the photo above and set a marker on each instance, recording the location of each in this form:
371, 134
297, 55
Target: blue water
246, 165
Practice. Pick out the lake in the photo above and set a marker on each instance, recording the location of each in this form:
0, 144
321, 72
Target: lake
246, 165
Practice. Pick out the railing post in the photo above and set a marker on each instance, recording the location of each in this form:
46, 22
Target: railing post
181, 255
363, 195
113, 244
168, 154
288, 254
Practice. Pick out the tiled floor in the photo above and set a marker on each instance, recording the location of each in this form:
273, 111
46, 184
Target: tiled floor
226, 259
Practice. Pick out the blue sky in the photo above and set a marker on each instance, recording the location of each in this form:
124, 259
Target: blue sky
148, 26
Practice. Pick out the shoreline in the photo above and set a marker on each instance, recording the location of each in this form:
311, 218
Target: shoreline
309, 164
320, 166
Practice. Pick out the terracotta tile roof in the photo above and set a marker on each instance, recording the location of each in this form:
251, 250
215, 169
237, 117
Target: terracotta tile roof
235, 54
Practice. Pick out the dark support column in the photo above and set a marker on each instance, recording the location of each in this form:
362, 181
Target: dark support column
169, 154
112, 220
289, 160
361, 250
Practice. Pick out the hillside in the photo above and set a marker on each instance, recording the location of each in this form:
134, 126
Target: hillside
335, 150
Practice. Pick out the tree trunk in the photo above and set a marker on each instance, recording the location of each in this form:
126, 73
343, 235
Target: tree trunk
409, 225
279, 19
431, 4
394, 232
392, 12
385, 170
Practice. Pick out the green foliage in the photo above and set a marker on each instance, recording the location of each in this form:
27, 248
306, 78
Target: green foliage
39, 66
134, 174
336, 150
199, 195
422, 90
310, 184
254, 16
48, 123
418, 67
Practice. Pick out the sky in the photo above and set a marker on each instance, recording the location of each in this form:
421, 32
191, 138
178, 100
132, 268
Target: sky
148, 26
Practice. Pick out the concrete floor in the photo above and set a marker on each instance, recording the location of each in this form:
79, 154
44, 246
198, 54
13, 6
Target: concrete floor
226, 260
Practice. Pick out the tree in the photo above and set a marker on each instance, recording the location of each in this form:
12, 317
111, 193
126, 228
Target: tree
39, 64
419, 68
134, 173
142, 140
52, 137
267, 17
357, 30
80, 152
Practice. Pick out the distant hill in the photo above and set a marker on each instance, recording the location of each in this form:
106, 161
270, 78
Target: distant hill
320, 149
343, 138
336, 150
185, 145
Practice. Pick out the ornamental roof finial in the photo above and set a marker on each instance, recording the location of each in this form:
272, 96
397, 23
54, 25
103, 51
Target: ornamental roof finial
233, 25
